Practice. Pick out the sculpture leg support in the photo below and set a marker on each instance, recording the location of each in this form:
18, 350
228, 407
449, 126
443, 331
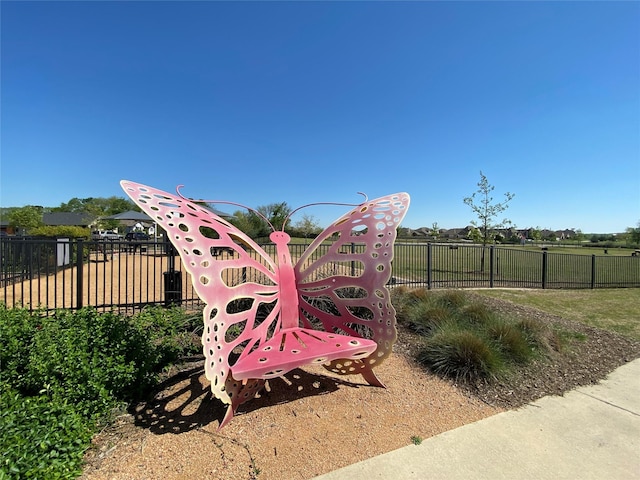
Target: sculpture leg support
371, 377
228, 416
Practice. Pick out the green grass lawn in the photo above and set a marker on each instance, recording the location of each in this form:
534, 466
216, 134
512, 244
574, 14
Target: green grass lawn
575, 250
617, 310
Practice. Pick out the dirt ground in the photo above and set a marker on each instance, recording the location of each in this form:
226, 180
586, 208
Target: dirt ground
312, 422
309, 423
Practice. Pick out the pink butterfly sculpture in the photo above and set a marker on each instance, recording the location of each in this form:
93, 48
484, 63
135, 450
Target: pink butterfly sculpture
266, 316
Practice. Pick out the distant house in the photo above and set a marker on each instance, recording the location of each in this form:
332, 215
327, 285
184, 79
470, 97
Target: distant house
456, 233
565, 234
67, 219
6, 229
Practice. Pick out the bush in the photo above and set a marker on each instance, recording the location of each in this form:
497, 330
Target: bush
426, 317
17, 328
60, 231
404, 298
40, 438
478, 313
91, 360
173, 333
61, 376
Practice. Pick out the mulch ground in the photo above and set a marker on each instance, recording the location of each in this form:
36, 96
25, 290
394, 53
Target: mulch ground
586, 358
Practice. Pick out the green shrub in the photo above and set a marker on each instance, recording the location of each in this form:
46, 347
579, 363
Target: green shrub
92, 360
60, 231
173, 333
544, 338
60, 376
17, 328
403, 299
478, 313
454, 299
40, 438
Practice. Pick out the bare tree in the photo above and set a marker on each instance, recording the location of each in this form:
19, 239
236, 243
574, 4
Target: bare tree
486, 211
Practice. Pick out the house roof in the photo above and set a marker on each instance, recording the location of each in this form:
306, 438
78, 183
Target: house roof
67, 219
131, 215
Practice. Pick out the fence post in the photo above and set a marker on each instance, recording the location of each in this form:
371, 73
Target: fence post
353, 264
593, 272
491, 264
172, 277
544, 269
79, 272
429, 259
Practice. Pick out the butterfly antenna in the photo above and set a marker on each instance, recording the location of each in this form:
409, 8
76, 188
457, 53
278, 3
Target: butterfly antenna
325, 203
225, 202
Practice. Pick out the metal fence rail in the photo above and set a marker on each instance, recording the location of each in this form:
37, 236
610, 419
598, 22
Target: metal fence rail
70, 274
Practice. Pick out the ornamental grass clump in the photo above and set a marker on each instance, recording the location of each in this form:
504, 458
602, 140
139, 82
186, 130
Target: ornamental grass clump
511, 340
465, 339
426, 317
461, 354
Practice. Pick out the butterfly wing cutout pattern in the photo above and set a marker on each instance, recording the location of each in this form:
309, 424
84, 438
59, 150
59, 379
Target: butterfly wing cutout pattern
342, 286
340, 291
238, 287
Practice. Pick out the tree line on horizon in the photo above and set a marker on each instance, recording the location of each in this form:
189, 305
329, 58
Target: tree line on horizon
486, 228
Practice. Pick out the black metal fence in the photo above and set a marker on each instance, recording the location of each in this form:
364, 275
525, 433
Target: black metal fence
468, 266
70, 274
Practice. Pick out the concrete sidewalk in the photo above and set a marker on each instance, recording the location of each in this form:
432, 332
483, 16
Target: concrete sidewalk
590, 433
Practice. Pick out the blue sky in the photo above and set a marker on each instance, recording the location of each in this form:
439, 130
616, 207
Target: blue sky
303, 101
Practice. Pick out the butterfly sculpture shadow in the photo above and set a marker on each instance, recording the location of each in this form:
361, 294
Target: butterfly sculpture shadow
267, 314
183, 403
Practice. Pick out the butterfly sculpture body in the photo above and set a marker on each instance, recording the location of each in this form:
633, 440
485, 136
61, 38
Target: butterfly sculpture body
266, 316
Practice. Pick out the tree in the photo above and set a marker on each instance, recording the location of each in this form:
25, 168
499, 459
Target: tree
98, 207
250, 223
276, 213
633, 234
253, 224
28, 217
435, 230
486, 210
308, 225
536, 234
474, 235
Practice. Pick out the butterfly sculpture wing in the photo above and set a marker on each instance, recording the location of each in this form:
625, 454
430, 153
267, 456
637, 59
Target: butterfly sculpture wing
342, 276
233, 276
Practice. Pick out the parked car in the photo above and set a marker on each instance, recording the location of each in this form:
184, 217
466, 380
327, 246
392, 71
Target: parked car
136, 237
105, 235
